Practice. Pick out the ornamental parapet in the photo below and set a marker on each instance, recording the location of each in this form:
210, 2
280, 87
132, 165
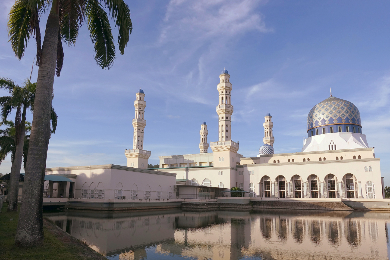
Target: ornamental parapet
224, 146
134, 153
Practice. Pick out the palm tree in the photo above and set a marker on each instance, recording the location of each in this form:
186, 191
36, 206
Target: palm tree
21, 98
63, 23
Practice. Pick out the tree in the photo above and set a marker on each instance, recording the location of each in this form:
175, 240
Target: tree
387, 192
237, 192
21, 99
14, 138
63, 23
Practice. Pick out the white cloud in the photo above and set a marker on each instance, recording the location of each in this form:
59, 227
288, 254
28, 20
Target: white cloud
206, 19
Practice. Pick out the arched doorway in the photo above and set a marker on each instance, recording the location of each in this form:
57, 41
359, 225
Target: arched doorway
281, 186
297, 186
331, 187
350, 185
313, 186
265, 187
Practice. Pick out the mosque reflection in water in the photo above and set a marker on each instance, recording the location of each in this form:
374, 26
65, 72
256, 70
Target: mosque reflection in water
229, 235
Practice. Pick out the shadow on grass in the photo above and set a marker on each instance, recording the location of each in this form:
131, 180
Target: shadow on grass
56, 245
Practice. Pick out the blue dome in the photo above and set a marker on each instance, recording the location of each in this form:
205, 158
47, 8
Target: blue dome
268, 114
141, 91
225, 71
204, 123
266, 149
333, 111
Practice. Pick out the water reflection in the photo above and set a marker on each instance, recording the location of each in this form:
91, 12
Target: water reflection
229, 235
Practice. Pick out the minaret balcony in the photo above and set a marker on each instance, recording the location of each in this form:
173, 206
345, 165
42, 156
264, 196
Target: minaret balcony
133, 153
224, 109
139, 122
140, 103
224, 146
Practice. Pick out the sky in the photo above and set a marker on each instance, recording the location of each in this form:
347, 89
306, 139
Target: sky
283, 57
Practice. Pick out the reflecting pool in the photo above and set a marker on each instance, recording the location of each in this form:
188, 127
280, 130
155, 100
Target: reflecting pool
230, 235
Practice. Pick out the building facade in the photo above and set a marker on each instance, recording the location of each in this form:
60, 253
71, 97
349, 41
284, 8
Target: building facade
335, 161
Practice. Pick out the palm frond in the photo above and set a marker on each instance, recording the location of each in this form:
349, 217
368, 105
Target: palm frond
60, 55
6, 107
121, 14
53, 117
19, 26
7, 145
100, 32
7, 84
72, 14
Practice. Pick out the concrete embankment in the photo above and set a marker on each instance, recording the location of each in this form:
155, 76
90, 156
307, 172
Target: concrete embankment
254, 204
122, 205
227, 203
368, 204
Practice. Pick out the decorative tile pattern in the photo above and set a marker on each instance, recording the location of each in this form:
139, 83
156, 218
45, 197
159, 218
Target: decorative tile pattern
266, 149
333, 111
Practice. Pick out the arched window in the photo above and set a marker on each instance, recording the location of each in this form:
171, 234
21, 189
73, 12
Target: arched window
278, 161
288, 160
354, 157
331, 129
337, 158
369, 168
359, 157
347, 129
221, 185
324, 159
304, 159
323, 130
308, 159
274, 161
354, 130
365, 168
341, 158
320, 159
317, 131
370, 190
340, 129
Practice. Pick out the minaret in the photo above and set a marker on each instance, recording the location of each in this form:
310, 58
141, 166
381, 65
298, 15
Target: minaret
224, 108
139, 122
203, 145
268, 135
225, 150
137, 157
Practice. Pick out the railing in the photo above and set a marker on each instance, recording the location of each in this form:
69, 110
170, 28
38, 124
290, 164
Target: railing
138, 151
231, 143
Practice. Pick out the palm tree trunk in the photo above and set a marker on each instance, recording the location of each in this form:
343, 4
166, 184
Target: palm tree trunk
17, 160
30, 225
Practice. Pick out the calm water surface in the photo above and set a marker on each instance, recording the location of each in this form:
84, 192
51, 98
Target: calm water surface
230, 235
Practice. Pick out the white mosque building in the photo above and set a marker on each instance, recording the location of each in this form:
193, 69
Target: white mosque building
335, 162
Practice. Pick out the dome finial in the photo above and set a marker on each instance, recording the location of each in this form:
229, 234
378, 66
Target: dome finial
331, 92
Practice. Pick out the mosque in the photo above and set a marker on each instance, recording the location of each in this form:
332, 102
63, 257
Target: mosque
335, 161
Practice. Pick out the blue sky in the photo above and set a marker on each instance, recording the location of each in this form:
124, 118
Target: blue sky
283, 57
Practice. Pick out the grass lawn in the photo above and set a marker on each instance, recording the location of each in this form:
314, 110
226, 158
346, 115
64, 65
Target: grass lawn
56, 245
